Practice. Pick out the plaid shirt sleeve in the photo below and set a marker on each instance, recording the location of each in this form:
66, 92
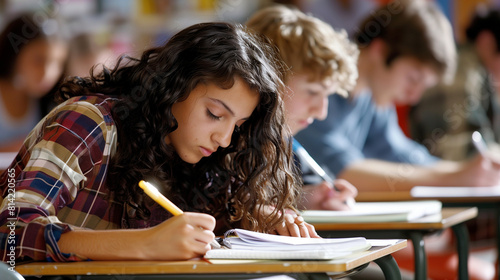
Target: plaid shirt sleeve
61, 169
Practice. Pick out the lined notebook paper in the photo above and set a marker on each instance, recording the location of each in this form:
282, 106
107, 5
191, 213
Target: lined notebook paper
253, 245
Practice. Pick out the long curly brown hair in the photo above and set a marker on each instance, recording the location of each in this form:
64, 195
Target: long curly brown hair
256, 169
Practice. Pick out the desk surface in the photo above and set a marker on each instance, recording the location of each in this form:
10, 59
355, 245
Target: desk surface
201, 266
446, 219
383, 196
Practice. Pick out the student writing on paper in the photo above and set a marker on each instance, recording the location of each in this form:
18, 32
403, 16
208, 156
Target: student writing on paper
360, 139
201, 117
472, 101
322, 62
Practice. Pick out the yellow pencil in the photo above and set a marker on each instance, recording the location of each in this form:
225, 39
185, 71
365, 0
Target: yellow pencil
153, 192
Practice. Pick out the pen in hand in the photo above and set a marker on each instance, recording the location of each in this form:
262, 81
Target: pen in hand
153, 192
318, 170
478, 141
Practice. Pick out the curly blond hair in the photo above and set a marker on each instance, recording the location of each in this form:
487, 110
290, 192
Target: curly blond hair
309, 45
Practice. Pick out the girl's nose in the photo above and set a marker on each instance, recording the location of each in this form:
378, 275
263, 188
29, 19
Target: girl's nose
223, 137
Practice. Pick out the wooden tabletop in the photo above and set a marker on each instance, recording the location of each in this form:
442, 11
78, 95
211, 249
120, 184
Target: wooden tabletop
446, 219
383, 196
202, 266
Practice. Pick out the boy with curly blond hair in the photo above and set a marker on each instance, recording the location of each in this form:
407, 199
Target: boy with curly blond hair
322, 61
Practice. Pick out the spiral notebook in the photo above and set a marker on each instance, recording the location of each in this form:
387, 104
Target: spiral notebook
244, 244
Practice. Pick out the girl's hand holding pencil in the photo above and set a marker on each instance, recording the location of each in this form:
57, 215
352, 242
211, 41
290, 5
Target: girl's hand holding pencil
181, 237
199, 223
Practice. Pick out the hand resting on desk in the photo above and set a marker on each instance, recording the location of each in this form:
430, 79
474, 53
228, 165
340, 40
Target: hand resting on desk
324, 197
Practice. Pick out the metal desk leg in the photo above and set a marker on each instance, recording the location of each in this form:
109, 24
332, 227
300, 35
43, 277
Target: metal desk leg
419, 254
389, 267
462, 236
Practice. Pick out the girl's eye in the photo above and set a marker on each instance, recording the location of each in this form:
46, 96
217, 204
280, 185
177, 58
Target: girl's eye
212, 116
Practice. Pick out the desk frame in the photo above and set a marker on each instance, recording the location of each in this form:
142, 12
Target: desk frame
415, 231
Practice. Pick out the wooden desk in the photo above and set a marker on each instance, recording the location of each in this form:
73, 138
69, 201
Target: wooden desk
200, 269
414, 230
482, 197
383, 196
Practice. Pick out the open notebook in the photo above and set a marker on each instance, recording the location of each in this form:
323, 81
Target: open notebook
366, 212
244, 244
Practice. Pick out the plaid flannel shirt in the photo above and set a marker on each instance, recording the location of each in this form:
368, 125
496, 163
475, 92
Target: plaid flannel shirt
60, 181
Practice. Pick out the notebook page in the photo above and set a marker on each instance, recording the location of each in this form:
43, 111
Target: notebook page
261, 241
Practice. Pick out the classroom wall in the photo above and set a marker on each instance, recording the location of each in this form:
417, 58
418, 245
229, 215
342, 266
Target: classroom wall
131, 25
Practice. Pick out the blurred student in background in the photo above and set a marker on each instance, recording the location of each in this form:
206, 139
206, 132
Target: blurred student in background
33, 56
360, 140
447, 115
405, 47
322, 62
86, 51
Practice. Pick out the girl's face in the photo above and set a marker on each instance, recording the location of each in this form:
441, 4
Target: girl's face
207, 118
306, 101
39, 66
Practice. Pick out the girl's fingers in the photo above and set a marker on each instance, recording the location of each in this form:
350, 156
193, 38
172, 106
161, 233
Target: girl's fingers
299, 221
200, 220
312, 231
293, 228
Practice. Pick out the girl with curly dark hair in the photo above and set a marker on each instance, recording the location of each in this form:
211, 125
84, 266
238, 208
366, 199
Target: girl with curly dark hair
200, 117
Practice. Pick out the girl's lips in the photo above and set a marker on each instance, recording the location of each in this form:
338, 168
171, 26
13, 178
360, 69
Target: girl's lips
206, 152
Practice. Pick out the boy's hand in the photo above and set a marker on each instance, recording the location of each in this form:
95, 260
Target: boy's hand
324, 197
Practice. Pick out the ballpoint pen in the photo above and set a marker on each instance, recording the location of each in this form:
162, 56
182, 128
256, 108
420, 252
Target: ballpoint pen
478, 141
153, 192
300, 151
